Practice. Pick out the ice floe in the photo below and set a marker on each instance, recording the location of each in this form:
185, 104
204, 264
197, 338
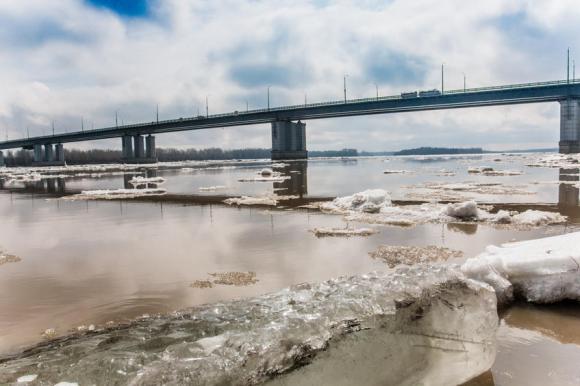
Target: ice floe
7, 258
544, 270
393, 171
556, 161
248, 200
343, 232
27, 378
438, 326
489, 171
265, 175
113, 194
137, 180
211, 188
395, 255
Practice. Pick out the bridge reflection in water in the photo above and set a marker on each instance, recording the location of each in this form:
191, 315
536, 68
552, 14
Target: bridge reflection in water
297, 183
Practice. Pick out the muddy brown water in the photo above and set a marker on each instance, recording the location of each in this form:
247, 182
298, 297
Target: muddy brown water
93, 262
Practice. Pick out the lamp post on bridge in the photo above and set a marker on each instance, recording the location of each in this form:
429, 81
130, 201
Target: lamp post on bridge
377, 89
442, 78
344, 84
464, 82
207, 106
268, 92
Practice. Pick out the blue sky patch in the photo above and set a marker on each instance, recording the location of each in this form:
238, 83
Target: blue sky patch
128, 8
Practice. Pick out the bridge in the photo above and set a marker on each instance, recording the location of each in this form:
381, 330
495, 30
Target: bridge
289, 130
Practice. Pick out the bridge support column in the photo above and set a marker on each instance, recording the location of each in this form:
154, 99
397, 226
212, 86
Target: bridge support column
135, 151
37, 153
1, 159
48, 153
150, 150
570, 126
59, 152
288, 140
127, 143
51, 155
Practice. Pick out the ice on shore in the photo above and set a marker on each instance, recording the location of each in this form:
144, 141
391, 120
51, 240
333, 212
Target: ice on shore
343, 232
113, 194
375, 207
434, 325
545, 270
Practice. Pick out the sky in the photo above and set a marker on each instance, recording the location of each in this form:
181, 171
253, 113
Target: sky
64, 62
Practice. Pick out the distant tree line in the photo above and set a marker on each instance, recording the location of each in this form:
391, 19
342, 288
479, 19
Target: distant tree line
76, 156
440, 150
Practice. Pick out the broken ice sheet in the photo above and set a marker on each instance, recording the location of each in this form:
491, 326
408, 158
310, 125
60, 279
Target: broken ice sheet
415, 325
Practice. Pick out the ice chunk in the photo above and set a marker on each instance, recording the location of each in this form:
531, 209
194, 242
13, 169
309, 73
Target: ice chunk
27, 378
266, 172
434, 325
542, 271
538, 217
463, 210
369, 201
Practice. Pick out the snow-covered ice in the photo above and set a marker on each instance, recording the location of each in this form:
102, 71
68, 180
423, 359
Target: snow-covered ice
544, 270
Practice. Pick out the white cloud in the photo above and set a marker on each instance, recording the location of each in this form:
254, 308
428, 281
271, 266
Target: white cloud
64, 59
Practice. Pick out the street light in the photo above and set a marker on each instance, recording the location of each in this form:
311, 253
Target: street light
269, 97
377, 89
345, 75
442, 77
207, 106
464, 82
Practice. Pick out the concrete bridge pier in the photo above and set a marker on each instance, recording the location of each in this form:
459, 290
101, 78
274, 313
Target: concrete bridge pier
570, 126
289, 140
2, 159
137, 150
51, 155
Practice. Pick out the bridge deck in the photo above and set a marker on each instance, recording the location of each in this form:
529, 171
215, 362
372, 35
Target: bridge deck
488, 96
